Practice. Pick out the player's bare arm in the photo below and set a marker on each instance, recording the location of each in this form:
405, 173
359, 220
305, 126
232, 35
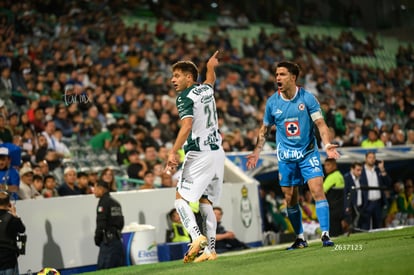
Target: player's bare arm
211, 65
185, 129
261, 140
324, 132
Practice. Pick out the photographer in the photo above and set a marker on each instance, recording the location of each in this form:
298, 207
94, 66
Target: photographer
10, 228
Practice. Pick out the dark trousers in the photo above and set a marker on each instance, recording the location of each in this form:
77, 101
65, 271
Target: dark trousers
335, 197
111, 254
371, 212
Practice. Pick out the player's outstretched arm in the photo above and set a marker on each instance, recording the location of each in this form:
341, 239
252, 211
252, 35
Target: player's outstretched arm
330, 149
212, 63
261, 140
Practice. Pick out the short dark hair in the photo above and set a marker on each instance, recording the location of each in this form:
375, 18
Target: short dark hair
37, 177
355, 164
219, 209
49, 176
4, 198
292, 68
186, 67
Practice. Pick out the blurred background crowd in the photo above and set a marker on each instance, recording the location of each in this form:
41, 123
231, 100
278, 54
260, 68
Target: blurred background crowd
85, 95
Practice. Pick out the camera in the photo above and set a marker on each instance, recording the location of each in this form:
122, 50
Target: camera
21, 243
378, 162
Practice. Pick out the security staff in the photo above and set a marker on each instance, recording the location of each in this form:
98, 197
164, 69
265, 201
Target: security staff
109, 223
10, 227
178, 231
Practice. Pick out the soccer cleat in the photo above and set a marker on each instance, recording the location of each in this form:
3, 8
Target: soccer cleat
206, 256
326, 241
195, 247
299, 243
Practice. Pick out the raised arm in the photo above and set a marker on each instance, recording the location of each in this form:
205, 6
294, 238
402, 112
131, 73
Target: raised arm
211, 65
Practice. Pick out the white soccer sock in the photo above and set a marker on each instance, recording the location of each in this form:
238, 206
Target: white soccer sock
210, 224
187, 218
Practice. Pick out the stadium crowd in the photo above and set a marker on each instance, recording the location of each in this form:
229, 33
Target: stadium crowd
81, 88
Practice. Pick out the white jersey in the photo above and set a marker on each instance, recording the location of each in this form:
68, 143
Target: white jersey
199, 103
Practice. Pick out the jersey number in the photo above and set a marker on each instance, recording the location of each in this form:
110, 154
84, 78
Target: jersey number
211, 113
314, 162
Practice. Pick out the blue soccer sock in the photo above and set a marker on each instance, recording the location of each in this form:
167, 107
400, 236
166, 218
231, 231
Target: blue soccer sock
295, 217
322, 211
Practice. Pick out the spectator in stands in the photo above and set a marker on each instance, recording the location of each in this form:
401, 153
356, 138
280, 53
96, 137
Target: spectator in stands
410, 137
29, 142
14, 125
151, 156
137, 167
44, 153
38, 185
409, 125
93, 123
356, 113
354, 138
178, 233
83, 183
128, 145
155, 134
333, 186
108, 176
60, 147
367, 125
49, 189
395, 132
386, 138
26, 188
69, 187
93, 176
373, 182
340, 125
106, 140
225, 239
381, 119
48, 133
43, 167
38, 120
405, 203
5, 133
166, 127
9, 176
372, 141
6, 86
148, 181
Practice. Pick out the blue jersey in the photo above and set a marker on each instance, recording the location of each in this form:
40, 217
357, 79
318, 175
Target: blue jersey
10, 176
295, 130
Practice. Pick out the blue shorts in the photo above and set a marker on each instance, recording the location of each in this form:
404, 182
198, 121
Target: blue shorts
294, 173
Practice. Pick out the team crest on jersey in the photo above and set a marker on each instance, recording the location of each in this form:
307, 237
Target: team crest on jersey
301, 107
292, 128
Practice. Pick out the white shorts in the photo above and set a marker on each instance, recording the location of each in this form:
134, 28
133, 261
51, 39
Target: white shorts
202, 175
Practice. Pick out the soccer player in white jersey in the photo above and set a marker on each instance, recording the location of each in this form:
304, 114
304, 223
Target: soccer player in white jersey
203, 167
295, 112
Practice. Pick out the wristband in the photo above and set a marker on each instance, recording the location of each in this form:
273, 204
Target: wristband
326, 146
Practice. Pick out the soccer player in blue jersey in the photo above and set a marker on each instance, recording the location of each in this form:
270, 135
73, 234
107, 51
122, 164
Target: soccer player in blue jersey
295, 112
